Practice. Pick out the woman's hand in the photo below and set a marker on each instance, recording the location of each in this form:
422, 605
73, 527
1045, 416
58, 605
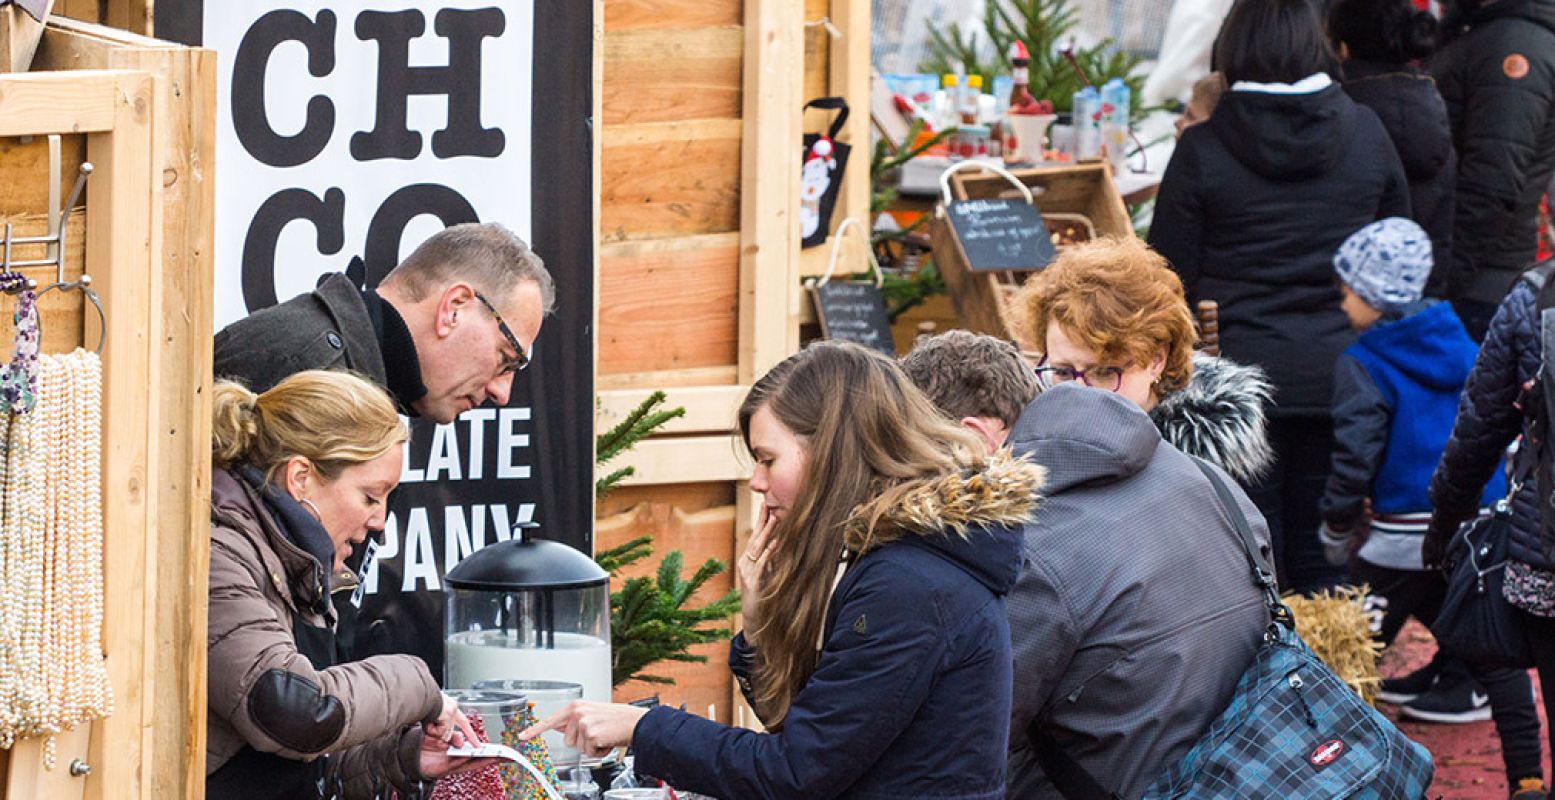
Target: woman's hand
451, 727
437, 763
752, 571
593, 729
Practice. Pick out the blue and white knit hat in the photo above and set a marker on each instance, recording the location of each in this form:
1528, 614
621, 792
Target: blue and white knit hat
1386, 263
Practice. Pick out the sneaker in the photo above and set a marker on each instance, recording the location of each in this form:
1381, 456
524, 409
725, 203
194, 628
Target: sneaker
1404, 689
1452, 703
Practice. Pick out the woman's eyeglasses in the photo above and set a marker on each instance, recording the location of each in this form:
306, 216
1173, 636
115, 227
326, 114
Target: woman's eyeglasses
1109, 378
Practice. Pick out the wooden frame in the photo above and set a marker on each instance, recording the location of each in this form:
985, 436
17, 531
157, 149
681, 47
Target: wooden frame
185, 153
120, 111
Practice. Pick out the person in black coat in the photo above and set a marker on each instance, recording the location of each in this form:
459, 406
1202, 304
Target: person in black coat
1380, 41
1489, 419
1496, 71
1252, 207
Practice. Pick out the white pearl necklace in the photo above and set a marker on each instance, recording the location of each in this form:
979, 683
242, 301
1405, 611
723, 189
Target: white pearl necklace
53, 675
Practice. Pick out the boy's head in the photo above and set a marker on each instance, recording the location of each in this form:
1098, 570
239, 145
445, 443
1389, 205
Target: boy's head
1380, 267
981, 381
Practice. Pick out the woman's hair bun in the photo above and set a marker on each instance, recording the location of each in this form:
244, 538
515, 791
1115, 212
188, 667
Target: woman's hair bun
234, 422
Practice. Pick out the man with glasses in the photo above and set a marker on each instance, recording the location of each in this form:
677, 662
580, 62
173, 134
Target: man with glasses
444, 332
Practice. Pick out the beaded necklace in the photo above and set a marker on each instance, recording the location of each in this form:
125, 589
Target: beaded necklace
53, 675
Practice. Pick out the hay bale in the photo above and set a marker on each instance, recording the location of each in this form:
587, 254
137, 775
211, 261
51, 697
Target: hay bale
1338, 629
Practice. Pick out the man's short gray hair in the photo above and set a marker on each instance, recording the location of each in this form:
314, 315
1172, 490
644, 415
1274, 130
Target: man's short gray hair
485, 254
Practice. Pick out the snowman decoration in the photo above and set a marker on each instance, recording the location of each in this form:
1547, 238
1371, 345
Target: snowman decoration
814, 180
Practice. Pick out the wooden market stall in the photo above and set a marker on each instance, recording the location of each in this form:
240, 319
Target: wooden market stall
700, 265
140, 111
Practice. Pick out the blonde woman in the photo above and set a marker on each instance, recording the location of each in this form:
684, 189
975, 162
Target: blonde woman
876, 646
302, 474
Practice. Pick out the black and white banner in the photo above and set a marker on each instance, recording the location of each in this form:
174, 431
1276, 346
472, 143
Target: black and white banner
351, 130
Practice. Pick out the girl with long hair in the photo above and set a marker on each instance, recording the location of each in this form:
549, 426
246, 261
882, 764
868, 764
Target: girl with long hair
876, 647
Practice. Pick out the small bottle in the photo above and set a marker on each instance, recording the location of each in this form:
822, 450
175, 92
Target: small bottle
1020, 70
943, 106
1087, 124
969, 103
1115, 99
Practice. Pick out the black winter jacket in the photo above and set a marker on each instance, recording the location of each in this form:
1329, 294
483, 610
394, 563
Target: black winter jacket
1497, 75
1489, 419
1411, 109
1252, 207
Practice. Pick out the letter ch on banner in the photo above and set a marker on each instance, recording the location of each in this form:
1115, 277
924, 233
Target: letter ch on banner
347, 135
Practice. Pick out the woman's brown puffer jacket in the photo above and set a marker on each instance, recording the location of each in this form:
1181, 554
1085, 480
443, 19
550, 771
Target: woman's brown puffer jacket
272, 712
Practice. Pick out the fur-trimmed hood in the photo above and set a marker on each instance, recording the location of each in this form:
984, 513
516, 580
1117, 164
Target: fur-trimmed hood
973, 519
1219, 417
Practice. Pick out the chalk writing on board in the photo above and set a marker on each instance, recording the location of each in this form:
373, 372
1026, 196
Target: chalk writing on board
854, 312
1001, 234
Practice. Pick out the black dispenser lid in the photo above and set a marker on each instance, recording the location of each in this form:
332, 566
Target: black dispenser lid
524, 562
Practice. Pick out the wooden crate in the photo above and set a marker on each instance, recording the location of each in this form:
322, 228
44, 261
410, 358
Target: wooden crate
1080, 195
143, 112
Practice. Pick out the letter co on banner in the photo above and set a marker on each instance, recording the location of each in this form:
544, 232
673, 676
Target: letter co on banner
350, 132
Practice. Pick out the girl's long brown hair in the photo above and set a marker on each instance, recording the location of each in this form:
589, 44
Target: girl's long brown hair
868, 433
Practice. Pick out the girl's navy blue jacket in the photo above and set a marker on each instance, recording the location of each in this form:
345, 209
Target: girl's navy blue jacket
911, 695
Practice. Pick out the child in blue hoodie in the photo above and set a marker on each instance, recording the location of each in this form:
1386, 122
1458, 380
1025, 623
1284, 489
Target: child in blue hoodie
1396, 393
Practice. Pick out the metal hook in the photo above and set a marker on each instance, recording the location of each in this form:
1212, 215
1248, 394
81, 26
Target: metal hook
825, 22
85, 287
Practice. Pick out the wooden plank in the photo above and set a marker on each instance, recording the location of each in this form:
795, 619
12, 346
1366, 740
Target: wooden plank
29, 778
85, 10
187, 153
131, 15
849, 68
124, 256
769, 189
24, 194
672, 188
709, 409
668, 309
36, 103
660, 132
664, 379
70, 44
19, 34
657, 75
621, 15
684, 459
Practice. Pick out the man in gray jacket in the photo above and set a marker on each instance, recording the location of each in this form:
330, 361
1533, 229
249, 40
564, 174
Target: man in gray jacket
1136, 611
444, 332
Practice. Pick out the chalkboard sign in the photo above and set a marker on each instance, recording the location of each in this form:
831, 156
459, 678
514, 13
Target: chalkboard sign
1001, 234
854, 312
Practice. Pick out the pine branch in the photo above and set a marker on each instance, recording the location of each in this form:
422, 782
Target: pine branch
650, 622
615, 558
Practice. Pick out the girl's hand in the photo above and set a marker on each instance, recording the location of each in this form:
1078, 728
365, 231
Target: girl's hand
592, 729
752, 571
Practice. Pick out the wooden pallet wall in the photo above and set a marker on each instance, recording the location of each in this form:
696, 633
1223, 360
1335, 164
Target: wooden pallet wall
700, 265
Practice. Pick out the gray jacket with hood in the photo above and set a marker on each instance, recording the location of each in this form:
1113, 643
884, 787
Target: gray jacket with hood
1136, 612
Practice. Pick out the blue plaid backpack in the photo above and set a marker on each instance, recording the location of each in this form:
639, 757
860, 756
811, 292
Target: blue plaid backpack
1293, 729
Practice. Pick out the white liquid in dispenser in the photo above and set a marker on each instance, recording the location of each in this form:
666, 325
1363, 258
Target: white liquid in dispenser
497, 655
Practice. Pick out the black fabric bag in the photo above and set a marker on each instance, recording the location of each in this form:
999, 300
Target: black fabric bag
1476, 622
820, 177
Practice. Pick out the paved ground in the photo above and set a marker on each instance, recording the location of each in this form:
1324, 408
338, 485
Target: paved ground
1468, 757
